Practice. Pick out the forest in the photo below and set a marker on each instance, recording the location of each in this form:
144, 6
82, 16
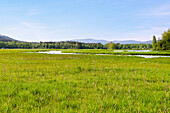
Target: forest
70, 45
9, 43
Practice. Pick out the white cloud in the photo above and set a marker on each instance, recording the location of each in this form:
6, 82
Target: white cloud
27, 31
142, 34
146, 34
161, 11
24, 31
34, 12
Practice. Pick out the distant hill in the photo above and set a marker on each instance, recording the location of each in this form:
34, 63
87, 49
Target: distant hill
115, 41
91, 41
6, 38
133, 42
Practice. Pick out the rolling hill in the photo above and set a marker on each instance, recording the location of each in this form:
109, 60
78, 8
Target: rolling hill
6, 38
115, 41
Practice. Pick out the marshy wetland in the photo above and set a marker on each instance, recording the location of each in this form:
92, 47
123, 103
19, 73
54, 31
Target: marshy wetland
31, 82
145, 56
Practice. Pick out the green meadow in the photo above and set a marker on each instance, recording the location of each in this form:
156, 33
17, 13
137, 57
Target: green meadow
111, 51
32, 82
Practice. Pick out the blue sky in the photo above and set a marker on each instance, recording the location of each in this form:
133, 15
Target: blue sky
56, 20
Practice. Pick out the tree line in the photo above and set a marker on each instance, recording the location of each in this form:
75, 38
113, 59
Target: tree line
112, 45
162, 43
70, 45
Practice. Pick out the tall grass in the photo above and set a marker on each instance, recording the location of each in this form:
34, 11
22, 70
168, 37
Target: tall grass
31, 82
105, 51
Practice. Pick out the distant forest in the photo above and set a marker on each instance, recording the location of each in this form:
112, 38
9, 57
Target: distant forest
70, 45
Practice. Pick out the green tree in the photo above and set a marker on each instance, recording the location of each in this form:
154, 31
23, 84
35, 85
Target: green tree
164, 43
166, 40
154, 43
111, 45
158, 45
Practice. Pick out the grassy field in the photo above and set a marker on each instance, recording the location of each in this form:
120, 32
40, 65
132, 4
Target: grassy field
106, 51
31, 82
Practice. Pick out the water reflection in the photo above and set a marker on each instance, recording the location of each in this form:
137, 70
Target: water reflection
149, 56
133, 51
145, 56
54, 52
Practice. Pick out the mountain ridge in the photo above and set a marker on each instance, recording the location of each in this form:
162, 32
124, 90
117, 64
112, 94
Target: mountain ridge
5, 38
88, 40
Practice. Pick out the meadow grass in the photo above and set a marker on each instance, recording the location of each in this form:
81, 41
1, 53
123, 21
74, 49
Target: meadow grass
32, 82
106, 51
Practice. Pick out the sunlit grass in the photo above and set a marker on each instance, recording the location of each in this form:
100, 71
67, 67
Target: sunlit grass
31, 82
106, 51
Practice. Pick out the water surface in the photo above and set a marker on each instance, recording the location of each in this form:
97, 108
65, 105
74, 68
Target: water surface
145, 56
134, 51
149, 56
54, 52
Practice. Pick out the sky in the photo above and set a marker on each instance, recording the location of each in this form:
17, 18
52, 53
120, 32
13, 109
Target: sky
57, 20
